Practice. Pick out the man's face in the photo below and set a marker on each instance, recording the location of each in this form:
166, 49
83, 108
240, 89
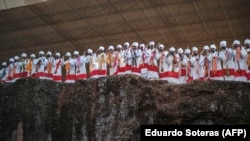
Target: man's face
123, 48
126, 46
247, 45
212, 50
141, 48
111, 50
223, 48
101, 51
236, 45
195, 52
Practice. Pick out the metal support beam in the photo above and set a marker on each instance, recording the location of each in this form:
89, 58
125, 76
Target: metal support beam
125, 19
202, 21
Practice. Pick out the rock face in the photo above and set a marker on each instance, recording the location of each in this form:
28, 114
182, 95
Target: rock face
113, 108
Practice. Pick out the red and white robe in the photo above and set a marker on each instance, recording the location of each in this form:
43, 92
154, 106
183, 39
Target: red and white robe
93, 66
57, 70
116, 62
3, 74
196, 68
163, 66
31, 67
248, 65
112, 62
22, 66
135, 60
173, 68
189, 77
183, 69
127, 60
48, 73
215, 59
69, 66
97, 66
228, 65
40, 66
152, 64
121, 63
102, 66
81, 73
205, 68
240, 64
16, 71
143, 62
10, 76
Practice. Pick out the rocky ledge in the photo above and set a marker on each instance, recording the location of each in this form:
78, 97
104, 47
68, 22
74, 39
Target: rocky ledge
113, 108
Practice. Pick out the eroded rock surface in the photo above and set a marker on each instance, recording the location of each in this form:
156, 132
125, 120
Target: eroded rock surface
113, 108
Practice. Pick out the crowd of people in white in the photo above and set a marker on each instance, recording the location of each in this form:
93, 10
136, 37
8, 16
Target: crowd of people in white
151, 61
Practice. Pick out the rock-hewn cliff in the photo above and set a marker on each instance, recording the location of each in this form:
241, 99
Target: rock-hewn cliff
113, 108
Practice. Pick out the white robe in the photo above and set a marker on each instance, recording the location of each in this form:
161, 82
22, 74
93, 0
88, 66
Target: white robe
240, 67
143, 62
57, 70
228, 65
163, 66
93, 66
16, 71
112, 63
135, 60
183, 69
248, 65
121, 63
128, 61
49, 75
80, 62
173, 69
40, 66
205, 67
22, 66
152, 64
10, 75
3, 74
216, 57
70, 76
102, 70
196, 68
32, 72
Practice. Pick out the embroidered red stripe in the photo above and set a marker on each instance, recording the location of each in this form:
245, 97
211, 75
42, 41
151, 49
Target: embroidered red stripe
81, 76
240, 73
173, 74
152, 68
217, 73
